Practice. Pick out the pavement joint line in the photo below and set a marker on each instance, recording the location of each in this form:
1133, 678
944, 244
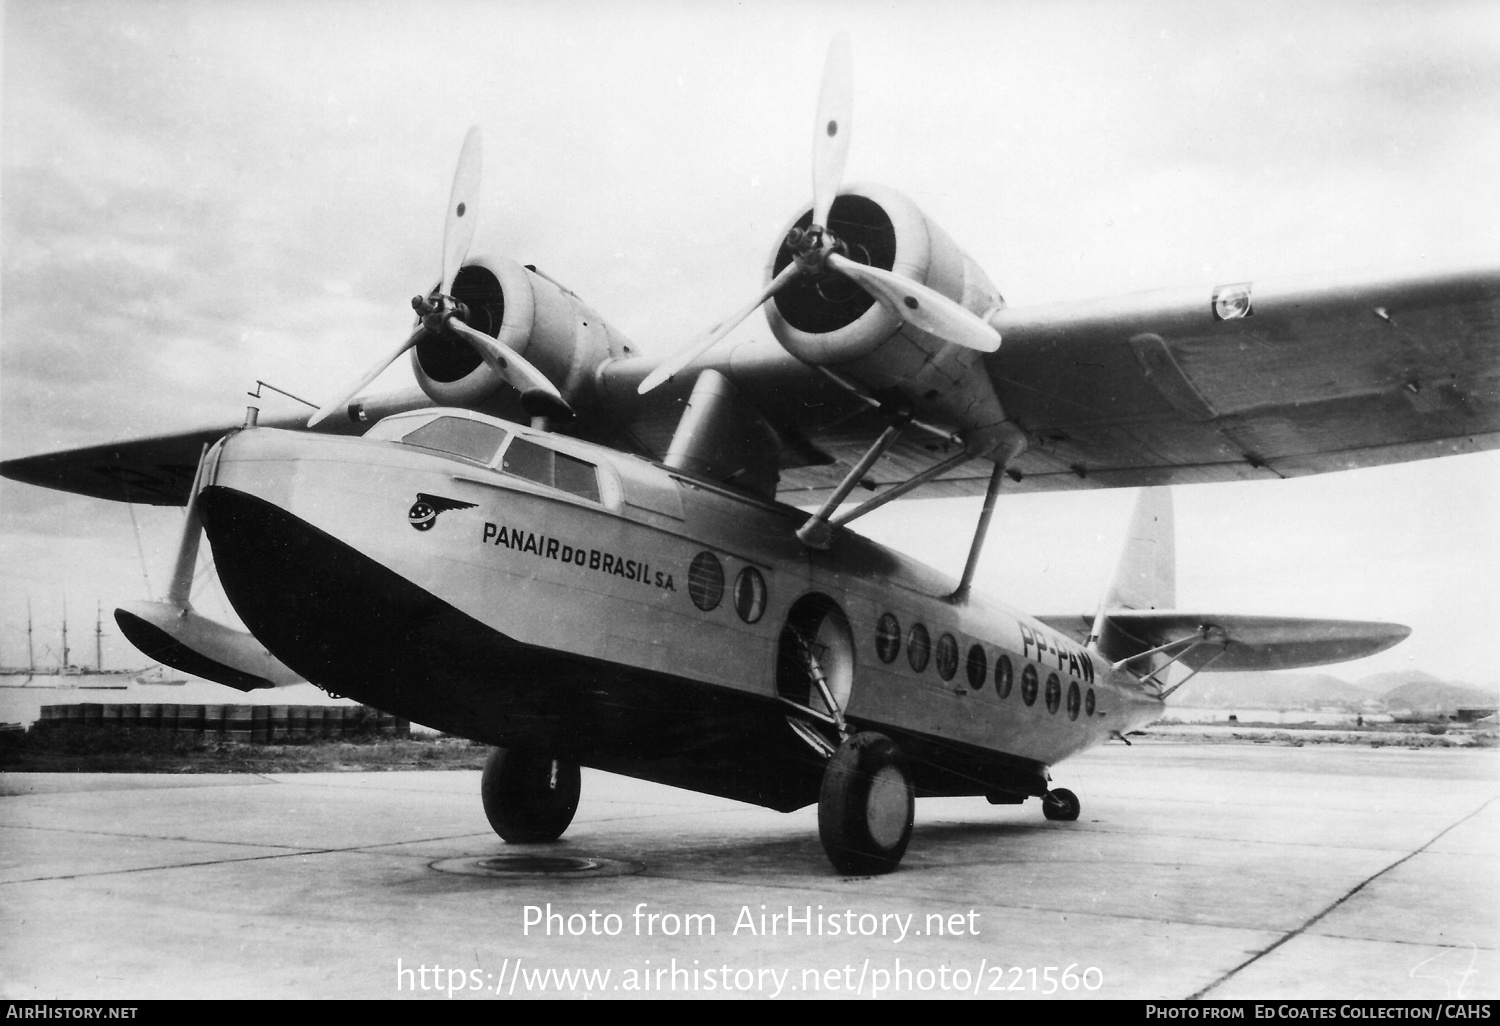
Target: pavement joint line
289, 851
175, 865
239, 782
1235, 841
1093, 913
1299, 931
139, 836
1409, 943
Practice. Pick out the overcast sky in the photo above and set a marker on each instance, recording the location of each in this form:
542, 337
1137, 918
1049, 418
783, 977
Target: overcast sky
200, 194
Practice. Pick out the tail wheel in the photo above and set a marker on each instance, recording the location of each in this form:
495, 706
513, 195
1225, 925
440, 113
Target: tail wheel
1061, 805
866, 806
529, 797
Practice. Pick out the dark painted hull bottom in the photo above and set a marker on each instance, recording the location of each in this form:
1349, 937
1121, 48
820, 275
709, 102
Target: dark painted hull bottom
358, 629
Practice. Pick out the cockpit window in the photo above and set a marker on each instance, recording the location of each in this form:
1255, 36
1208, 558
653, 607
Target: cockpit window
554, 469
458, 436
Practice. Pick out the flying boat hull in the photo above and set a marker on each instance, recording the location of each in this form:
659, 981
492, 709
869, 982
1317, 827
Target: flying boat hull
490, 607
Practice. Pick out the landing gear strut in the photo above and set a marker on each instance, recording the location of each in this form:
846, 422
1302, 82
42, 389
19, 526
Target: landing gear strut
866, 805
1061, 805
529, 797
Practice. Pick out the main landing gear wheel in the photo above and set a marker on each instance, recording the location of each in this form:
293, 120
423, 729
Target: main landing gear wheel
866, 805
1061, 805
529, 797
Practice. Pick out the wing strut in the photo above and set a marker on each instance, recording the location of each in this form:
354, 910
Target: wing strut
817, 531
991, 493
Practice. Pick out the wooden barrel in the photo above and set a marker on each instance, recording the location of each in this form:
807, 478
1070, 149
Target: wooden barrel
260, 724
190, 720
167, 721
237, 723
297, 720
280, 725
150, 716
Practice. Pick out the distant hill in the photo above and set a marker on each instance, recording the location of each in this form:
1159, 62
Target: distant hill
1270, 690
1439, 696
1402, 691
1381, 683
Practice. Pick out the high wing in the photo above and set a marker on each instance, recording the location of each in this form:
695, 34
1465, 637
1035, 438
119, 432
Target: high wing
159, 471
1302, 377
1315, 375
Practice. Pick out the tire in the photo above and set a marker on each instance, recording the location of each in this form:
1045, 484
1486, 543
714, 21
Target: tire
523, 799
866, 806
1061, 805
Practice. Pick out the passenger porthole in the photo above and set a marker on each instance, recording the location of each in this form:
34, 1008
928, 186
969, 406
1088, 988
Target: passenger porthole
947, 657
1074, 700
1003, 677
1028, 684
1054, 693
888, 638
750, 594
706, 581
918, 647
978, 667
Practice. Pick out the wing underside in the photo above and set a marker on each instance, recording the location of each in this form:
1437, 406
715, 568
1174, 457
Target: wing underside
1281, 379
1249, 381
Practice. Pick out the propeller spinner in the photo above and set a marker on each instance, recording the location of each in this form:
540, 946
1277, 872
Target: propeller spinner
817, 251
440, 313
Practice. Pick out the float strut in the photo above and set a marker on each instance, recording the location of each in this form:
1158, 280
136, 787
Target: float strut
187, 548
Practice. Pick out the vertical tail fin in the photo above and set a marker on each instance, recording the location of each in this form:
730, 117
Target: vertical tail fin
1146, 576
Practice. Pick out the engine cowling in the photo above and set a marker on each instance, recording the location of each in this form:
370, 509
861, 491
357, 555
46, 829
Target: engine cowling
538, 318
827, 320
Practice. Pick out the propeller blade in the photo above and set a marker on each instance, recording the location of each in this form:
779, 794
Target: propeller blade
505, 361
328, 409
458, 227
831, 134
920, 306
688, 353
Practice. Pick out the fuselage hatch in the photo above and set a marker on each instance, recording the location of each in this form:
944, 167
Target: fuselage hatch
538, 592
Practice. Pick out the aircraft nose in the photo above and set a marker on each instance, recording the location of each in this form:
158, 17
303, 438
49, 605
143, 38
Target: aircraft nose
320, 606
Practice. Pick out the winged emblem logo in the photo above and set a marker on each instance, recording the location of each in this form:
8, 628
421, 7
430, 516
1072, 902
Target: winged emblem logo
424, 512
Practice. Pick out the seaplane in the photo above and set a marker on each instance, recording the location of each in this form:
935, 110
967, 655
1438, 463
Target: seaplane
583, 556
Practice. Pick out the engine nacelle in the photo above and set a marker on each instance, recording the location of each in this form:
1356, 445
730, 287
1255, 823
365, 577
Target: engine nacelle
532, 314
829, 320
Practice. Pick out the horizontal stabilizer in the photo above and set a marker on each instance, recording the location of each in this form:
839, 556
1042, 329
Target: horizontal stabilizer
182, 639
1254, 642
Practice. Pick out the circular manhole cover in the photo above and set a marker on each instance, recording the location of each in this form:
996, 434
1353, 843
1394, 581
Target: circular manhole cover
532, 866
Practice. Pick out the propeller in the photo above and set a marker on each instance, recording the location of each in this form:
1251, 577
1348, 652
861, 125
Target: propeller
440, 312
817, 251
